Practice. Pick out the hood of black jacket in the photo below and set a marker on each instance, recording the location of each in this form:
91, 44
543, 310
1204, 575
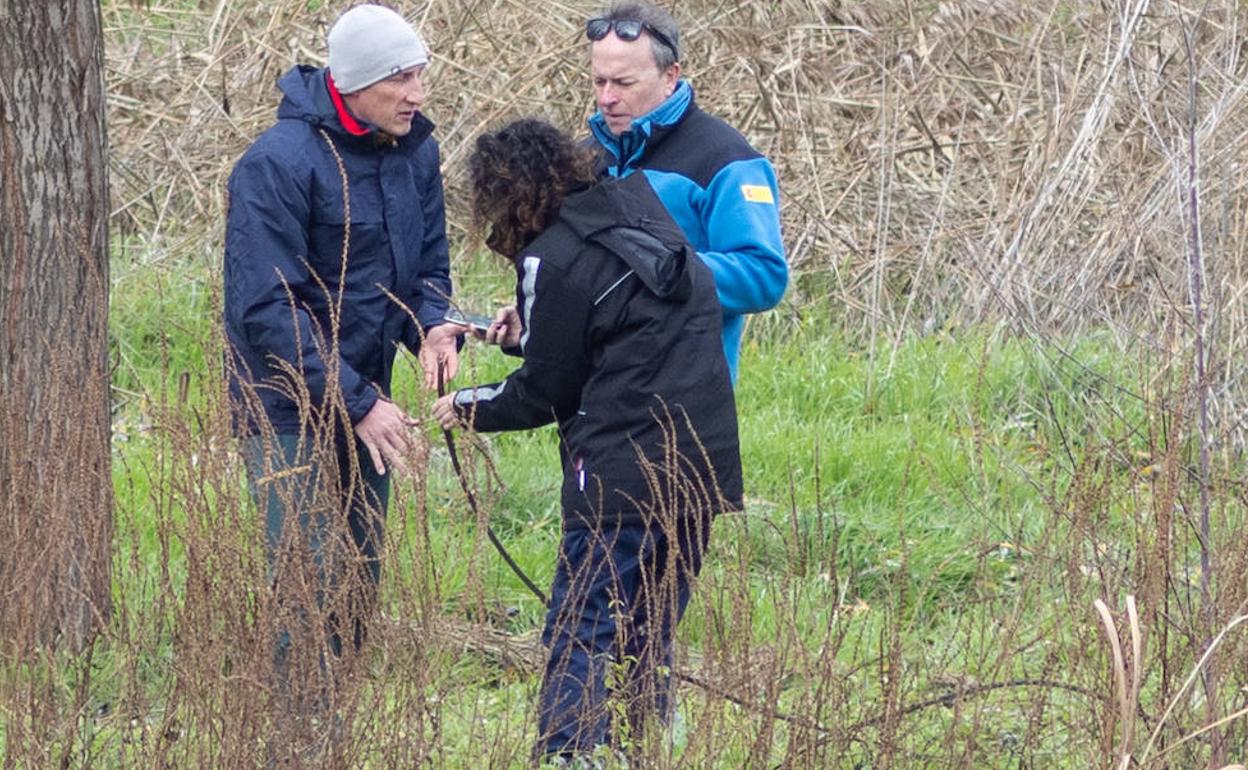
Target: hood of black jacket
305, 96
626, 217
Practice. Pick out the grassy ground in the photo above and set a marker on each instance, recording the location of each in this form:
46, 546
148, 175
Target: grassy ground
927, 525
934, 505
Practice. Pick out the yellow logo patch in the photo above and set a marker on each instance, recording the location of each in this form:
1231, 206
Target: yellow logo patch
757, 193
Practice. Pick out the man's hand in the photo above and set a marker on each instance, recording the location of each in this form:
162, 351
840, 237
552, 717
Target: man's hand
384, 432
439, 346
444, 412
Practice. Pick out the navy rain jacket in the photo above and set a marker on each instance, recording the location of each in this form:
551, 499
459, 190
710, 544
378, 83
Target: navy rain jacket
621, 346
284, 241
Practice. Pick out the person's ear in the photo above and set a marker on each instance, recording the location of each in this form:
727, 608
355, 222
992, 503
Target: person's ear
671, 76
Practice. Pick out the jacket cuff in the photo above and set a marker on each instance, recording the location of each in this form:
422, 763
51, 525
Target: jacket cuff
359, 407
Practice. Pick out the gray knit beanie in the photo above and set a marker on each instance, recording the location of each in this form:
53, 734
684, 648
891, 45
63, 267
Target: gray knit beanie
369, 43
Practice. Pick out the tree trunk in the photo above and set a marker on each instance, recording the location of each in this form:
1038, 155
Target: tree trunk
55, 483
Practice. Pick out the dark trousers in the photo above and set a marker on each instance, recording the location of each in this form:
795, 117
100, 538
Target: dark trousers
324, 527
617, 596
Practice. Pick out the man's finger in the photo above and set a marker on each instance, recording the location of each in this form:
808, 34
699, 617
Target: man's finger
392, 446
393, 440
396, 461
430, 368
373, 452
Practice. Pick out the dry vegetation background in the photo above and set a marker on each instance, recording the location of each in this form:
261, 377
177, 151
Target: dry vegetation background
1051, 167
977, 159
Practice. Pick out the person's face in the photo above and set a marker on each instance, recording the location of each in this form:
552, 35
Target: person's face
390, 104
627, 82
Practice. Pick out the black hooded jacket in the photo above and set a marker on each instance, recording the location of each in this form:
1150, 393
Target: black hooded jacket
621, 346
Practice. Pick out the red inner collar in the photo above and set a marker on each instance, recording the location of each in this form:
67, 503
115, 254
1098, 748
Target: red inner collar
352, 125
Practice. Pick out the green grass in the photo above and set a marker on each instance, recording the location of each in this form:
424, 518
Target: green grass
925, 494
163, 325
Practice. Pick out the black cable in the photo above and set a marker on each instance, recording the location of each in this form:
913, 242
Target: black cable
528, 582
472, 504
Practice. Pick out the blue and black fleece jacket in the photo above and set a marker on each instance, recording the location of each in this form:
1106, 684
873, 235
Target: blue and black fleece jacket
720, 191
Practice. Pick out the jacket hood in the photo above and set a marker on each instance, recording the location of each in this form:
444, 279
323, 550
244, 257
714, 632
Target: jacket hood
626, 217
305, 96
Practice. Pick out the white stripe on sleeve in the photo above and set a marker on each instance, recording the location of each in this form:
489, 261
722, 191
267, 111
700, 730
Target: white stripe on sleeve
469, 396
528, 287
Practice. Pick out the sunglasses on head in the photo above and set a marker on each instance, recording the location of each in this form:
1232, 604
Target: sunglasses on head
626, 30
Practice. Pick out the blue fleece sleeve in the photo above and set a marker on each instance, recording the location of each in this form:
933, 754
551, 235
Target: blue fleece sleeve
741, 221
266, 274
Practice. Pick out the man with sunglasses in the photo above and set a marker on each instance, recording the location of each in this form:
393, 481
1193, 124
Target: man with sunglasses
720, 190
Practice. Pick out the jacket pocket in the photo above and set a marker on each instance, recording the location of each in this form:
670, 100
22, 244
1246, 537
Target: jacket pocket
367, 254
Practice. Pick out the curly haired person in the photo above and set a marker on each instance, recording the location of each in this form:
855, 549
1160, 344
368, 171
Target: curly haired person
619, 328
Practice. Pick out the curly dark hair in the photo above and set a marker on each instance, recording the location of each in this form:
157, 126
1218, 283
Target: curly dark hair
520, 176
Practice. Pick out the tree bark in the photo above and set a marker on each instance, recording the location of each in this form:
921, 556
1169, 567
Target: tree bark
55, 482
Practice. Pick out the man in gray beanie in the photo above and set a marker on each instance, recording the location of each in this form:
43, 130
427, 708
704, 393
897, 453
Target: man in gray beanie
335, 254
376, 60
